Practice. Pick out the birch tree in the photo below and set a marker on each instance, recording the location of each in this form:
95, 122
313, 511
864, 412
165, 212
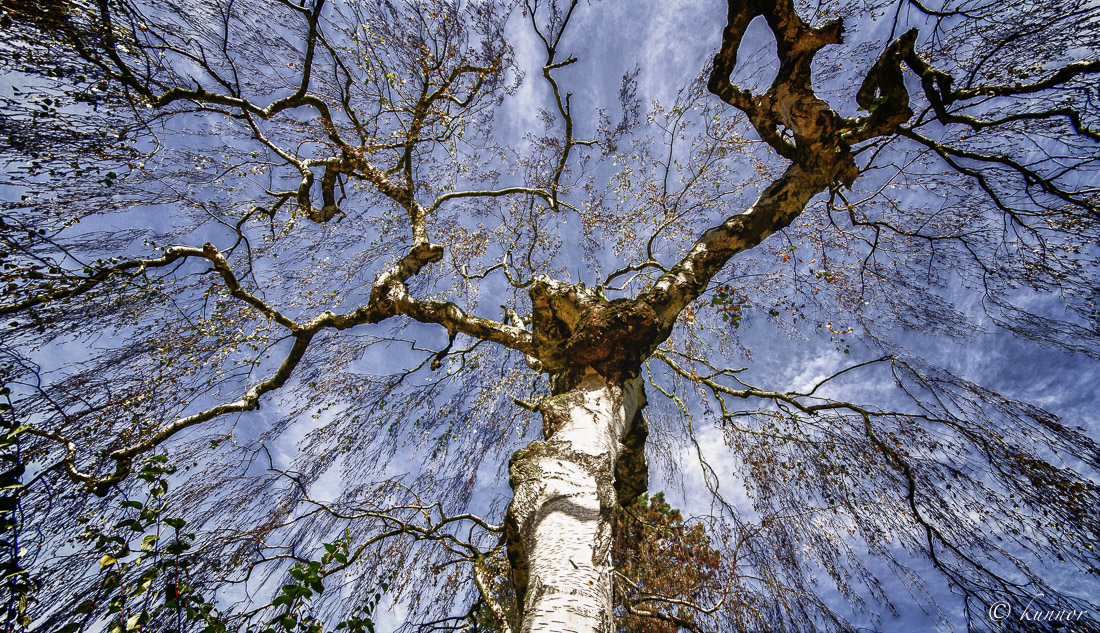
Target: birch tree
229, 226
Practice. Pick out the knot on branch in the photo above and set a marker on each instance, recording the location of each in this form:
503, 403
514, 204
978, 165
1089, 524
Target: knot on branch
618, 332
330, 208
575, 327
419, 256
391, 282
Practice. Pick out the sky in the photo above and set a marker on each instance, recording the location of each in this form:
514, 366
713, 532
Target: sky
670, 43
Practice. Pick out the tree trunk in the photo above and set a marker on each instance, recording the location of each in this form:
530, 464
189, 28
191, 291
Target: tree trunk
563, 508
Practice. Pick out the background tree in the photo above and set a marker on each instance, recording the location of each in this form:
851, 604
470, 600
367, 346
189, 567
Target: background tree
223, 219
667, 568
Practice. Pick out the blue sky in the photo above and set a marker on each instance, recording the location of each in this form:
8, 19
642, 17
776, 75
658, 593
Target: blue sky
669, 43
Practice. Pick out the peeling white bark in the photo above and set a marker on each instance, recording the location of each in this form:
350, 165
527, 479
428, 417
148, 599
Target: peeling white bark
563, 509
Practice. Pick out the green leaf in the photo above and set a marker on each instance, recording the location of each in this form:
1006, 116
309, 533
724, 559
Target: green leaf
133, 524
136, 620
107, 561
142, 586
148, 542
85, 607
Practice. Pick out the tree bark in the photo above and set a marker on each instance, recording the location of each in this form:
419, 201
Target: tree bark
559, 525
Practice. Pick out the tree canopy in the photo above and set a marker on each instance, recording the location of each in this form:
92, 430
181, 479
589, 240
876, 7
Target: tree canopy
292, 289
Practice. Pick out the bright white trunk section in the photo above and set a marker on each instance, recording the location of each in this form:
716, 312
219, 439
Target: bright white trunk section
564, 504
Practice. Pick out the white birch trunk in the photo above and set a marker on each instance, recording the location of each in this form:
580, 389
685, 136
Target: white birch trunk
563, 509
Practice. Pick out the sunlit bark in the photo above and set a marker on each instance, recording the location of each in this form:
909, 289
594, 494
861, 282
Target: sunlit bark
561, 517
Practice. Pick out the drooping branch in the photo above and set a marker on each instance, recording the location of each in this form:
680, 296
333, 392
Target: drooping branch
845, 434
883, 94
127, 269
488, 193
388, 298
819, 156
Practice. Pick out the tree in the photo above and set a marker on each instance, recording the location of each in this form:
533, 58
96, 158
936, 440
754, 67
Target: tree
665, 568
219, 212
